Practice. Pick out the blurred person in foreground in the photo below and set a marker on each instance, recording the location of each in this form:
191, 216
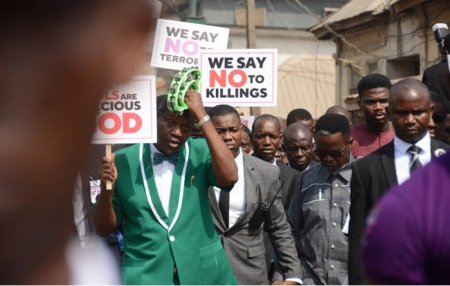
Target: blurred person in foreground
407, 239
57, 58
160, 200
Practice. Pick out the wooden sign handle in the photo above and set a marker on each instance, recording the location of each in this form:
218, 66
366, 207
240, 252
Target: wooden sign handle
108, 151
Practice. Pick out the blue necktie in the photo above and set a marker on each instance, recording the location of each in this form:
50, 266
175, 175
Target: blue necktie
158, 158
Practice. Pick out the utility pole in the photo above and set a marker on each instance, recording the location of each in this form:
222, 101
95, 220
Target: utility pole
251, 23
251, 38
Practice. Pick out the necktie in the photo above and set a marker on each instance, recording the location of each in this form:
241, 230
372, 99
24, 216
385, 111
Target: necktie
414, 163
224, 206
158, 158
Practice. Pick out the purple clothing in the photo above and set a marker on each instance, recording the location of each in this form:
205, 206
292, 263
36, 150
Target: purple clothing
408, 242
365, 142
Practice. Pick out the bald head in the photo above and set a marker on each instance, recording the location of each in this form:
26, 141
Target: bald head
410, 109
337, 109
409, 88
298, 145
297, 129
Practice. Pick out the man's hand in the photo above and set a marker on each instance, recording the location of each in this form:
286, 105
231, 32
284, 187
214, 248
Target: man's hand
194, 100
107, 171
284, 282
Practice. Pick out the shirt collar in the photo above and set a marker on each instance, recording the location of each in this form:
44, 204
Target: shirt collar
345, 172
154, 150
424, 143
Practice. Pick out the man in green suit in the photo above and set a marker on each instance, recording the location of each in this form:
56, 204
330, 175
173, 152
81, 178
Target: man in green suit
160, 200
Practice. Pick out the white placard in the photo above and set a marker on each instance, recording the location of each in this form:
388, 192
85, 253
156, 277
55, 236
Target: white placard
178, 44
127, 113
239, 77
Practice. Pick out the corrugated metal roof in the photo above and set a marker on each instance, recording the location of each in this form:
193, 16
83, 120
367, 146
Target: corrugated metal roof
305, 82
355, 8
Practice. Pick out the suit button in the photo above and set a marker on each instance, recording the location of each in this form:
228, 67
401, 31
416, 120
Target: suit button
172, 238
332, 246
335, 205
333, 224
336, 185
332, 266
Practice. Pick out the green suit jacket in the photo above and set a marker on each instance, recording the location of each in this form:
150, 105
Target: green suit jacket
184, 241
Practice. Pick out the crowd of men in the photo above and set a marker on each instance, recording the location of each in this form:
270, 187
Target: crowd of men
315, 202
293, 208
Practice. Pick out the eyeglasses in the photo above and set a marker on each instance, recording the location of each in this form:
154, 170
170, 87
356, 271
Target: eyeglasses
332, 153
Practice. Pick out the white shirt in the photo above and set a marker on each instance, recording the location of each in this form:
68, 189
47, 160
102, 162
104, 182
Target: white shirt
237, 194
403, 158
163, 174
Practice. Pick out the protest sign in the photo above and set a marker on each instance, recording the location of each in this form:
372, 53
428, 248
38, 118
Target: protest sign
239, 77
127, 113
178, 44
247, 121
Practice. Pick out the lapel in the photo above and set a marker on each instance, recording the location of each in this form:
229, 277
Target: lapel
251, 196
388, 164
215, 208
177, 186
437, 149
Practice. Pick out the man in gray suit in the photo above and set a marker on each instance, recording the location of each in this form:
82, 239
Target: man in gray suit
235, 213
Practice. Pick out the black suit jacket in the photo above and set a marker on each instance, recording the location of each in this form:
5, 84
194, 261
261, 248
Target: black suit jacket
372, 176
288, 177
437, 78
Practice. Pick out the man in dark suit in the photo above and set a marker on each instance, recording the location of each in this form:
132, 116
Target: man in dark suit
232, 212
437, 77
410, 111
266, 139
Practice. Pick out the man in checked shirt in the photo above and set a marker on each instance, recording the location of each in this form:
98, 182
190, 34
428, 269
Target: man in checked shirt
320, 205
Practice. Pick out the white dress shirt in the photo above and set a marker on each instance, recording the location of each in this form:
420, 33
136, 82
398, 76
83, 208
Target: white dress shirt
163, 174
403, 158
237, 194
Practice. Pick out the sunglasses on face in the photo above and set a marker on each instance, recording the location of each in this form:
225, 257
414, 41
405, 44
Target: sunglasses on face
332, 153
